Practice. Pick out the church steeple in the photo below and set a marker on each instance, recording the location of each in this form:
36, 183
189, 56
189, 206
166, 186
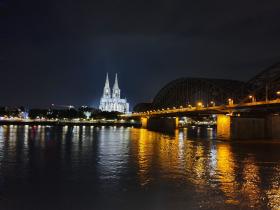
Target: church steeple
116, 89
107, 89
116, 84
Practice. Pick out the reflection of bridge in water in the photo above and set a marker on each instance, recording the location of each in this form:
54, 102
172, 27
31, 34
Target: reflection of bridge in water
244, 110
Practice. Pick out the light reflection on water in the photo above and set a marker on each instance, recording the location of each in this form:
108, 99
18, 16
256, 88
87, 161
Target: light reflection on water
108, 167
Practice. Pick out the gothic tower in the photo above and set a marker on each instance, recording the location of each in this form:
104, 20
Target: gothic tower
116, 90
113, 102
107, 89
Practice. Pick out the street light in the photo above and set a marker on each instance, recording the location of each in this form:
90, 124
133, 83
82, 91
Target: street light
230, 102
212, 103
199, 104
252, 98
278, 93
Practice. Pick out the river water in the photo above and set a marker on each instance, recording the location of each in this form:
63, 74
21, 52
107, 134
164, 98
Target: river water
83, 167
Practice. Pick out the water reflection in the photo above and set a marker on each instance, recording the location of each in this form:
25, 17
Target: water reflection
273, 193
251, 183
183, 170
145, 156
236, 179
226, 172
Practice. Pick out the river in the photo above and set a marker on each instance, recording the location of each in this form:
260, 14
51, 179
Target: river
86, 167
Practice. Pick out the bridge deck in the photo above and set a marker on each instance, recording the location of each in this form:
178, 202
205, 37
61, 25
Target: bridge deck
212, 109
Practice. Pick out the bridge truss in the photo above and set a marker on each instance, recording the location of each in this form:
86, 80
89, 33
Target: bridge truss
265, 86
190, 91
186, 92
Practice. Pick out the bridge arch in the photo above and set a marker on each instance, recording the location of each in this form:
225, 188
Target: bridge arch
190, 91
265, 85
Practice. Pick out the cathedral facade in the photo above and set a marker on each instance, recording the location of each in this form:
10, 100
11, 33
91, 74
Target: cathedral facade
112, 101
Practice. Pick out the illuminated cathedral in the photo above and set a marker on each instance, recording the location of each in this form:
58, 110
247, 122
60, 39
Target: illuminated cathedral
111, 101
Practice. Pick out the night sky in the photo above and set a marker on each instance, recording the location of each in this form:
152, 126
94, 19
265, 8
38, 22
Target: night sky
58, 51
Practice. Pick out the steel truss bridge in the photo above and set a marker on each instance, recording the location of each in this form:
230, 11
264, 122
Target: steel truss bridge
195, 95
263, 106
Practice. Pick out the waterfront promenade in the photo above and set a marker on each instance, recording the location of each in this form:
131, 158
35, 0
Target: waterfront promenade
63, 122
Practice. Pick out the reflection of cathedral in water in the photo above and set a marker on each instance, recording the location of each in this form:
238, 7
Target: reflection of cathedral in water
113, 102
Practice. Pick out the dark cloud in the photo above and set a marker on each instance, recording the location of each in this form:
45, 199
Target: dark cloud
58, 51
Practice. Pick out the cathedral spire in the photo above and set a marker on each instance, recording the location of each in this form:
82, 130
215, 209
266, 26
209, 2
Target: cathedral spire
107, 83
116, 84
116, 89
107, 90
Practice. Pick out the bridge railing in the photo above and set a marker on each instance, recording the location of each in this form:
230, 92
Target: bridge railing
197, 108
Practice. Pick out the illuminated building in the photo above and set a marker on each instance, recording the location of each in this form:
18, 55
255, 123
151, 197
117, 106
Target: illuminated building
112, 101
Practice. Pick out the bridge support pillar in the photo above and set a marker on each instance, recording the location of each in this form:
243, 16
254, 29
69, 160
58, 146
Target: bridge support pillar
273, 126
223, 126
176, 122
144, 122
250, 128
164, 124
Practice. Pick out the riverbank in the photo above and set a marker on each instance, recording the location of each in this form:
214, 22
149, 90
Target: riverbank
69, 123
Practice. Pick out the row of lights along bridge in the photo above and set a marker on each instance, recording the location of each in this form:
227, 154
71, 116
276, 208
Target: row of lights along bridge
199, 104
